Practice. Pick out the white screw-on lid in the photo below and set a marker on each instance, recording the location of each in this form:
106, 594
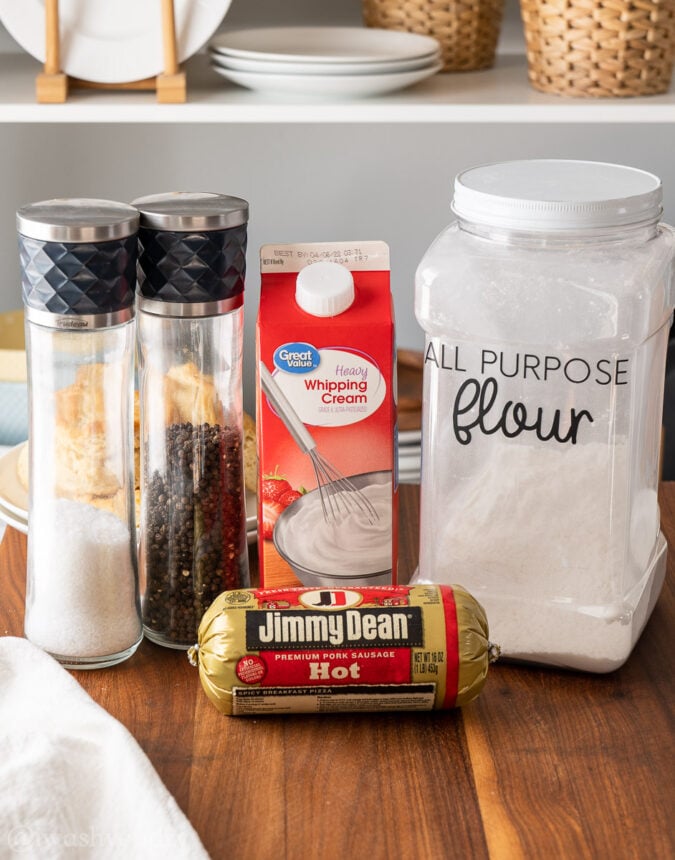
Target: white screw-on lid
552, 194
324, 289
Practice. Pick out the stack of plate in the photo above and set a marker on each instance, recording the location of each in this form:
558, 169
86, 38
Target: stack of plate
13, 496
409, 456
409, 377
325, 61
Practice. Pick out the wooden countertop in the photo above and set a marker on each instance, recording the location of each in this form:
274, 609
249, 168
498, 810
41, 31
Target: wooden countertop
544, 763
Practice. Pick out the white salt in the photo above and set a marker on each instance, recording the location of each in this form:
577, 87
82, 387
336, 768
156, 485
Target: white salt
82, 592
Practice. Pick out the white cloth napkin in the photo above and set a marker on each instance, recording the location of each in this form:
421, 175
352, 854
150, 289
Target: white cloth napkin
73, 782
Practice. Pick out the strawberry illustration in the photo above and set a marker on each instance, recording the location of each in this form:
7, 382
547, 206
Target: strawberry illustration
289, 497
274, 486
271, 510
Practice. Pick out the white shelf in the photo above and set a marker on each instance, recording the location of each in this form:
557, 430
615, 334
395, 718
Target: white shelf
498, 95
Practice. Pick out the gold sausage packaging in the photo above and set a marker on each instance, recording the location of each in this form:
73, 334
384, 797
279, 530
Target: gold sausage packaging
314, 650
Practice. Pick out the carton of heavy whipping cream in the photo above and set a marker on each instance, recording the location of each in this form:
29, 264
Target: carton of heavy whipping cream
326, 416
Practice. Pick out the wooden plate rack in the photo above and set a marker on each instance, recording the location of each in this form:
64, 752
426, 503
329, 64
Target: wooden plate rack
52, 85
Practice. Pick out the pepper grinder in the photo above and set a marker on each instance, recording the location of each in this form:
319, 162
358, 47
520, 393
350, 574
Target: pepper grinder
192, 260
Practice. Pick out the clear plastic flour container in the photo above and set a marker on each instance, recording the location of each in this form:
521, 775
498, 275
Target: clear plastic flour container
546, 307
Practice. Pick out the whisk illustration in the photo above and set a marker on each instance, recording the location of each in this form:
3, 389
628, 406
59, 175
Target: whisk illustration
339, 495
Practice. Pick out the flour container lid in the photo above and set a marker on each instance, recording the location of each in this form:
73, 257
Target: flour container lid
557, 195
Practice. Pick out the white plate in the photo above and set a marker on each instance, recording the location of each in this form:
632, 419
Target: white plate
113, 41
329, 85
14, 521
324, 44
410, 461
14, 498
410, 445
410, 468
414, 454
409, 479
406, 437
290, 68
22, 525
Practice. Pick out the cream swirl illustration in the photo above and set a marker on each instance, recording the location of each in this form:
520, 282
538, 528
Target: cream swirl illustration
351, 544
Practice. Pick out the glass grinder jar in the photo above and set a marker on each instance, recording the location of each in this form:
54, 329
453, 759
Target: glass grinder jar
78, 261
546, 308
192, 260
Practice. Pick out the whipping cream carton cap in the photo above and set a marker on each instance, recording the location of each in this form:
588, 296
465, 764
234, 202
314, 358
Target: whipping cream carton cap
324, 289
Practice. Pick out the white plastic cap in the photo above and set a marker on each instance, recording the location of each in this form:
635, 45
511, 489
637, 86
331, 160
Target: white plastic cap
324, 289
551, 194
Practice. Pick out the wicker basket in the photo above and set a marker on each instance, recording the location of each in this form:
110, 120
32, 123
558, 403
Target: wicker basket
600, 48
467, 30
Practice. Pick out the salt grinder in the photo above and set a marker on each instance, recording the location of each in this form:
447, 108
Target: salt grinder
78, 263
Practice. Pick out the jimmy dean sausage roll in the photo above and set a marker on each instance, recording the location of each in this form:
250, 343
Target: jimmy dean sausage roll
310, 650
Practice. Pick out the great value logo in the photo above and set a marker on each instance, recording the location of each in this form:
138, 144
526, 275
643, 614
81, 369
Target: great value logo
297, 357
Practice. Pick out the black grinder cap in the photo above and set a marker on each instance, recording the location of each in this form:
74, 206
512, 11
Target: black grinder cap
78, 262
192, 253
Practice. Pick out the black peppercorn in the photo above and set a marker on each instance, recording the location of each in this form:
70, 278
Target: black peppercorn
195, 514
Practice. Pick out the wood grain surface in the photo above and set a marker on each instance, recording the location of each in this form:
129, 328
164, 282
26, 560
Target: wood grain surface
545, 763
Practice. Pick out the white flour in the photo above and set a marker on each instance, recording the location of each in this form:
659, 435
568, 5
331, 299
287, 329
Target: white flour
538, 537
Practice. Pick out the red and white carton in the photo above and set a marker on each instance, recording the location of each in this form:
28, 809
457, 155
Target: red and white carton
326, 416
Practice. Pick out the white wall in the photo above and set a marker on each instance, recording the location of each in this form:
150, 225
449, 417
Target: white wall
304, 183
